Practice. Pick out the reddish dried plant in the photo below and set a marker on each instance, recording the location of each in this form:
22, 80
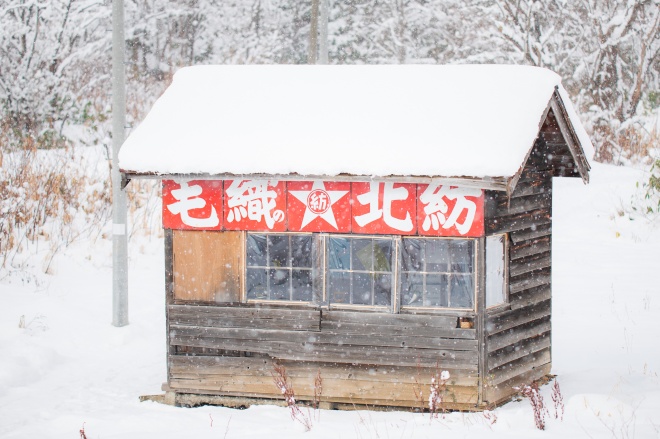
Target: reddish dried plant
281, 380
558, 401
82, 432
532, 393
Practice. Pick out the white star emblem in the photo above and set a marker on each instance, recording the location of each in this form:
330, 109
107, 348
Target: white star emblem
318, 203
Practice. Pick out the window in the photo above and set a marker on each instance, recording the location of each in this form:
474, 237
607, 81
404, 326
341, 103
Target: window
495, 270
437, 272
279, 267
359, 270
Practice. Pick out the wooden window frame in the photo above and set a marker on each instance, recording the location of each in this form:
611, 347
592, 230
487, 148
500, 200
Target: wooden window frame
288, 302
475, 278
392, 308
505, 304
320, 271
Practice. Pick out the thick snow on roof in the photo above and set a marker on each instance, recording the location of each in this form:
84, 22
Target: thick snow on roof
377, 120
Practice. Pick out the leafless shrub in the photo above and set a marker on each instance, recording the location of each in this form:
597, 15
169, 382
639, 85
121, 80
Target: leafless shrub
47, 196
82, 432
281, 380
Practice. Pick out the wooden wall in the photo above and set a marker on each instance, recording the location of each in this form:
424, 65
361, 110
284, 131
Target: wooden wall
362, 357
518, 337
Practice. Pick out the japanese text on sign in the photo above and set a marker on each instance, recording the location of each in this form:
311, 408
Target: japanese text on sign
324, 206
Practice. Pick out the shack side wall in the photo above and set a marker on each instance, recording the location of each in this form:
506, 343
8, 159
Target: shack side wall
518, 336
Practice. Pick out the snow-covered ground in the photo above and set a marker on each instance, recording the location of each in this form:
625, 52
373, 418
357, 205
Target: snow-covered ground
68, 367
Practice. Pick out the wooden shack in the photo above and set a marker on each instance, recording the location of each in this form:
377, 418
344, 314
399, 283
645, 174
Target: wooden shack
370, 225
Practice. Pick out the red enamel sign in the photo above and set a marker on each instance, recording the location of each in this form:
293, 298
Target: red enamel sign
324, 206
384, 208
192, 205
319, 206
450, 211
255, 205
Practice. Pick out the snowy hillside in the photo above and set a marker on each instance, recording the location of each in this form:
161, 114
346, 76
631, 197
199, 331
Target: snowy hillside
64, 366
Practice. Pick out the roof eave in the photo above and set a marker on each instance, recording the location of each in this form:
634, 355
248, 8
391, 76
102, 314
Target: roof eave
572, 140
488, 183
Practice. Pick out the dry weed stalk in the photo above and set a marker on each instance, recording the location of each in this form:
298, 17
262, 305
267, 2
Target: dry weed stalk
437, 390
318, 393
281, 380
558, 401
532, 393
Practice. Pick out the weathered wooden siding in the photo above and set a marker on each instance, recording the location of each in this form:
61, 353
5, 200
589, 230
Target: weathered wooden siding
363, 358
518, 337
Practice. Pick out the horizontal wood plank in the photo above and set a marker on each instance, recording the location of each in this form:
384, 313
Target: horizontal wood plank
499, 393
530, 296
531, 263
524, 204
517, 367
521, 221
244, 317
382, 340
503, 339
530, 280
529, 248
386, 319
341, 328
190, 366
518, 350
513, 318
308, 351
532, 233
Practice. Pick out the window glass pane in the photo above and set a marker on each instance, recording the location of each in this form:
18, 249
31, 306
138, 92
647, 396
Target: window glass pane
461, 256
362, 254
278, 251
462, 291
301, 285
279, 284
495, 286
256, 250
382, 255
338, 254
436, 290
383, 289
437, 255
412, 289
339, 286
412, 255
362, 288
301, 251
255, 283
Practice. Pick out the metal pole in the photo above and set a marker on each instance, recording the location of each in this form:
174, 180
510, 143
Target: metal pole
312, 53
119, 241
323, 32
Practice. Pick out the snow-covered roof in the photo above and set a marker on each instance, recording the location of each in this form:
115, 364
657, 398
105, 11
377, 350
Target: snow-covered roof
472, 121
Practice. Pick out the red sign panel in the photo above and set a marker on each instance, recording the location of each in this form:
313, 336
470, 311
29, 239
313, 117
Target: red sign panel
384, 208
450, 211
319, 206
324, 206
255, 205
192, 205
